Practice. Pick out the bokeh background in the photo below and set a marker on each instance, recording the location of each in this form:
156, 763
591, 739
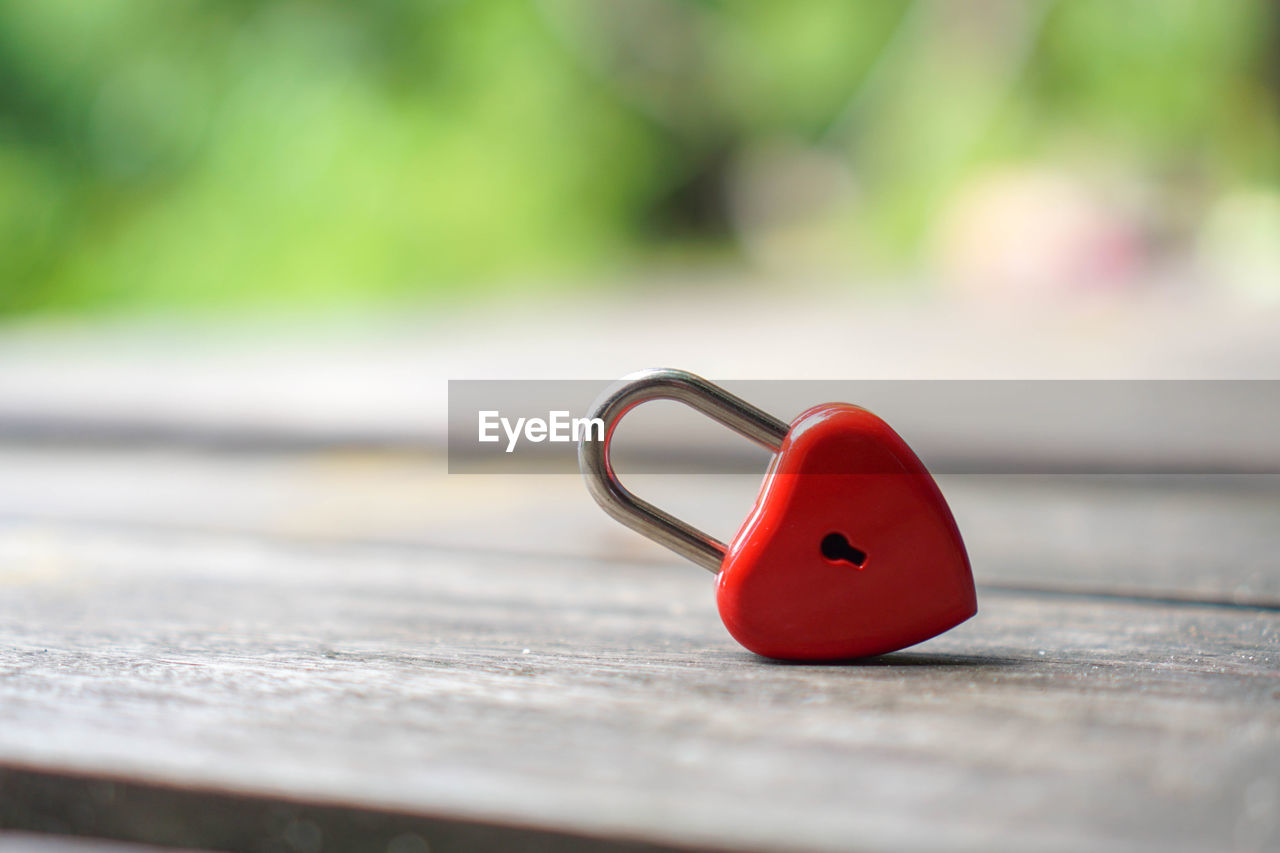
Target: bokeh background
243, 155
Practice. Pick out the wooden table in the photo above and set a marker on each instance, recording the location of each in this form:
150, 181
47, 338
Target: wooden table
229, 644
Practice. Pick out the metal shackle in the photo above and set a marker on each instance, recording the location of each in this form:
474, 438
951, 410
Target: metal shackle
636, 513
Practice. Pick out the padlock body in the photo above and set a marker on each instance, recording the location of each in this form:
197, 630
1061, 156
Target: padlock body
844, 476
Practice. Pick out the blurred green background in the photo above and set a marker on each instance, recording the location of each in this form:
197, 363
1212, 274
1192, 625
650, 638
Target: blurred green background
233, 154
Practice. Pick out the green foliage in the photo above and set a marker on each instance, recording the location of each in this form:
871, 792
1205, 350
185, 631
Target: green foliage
197, 153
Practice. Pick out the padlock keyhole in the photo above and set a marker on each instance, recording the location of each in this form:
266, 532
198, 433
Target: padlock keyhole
836, 548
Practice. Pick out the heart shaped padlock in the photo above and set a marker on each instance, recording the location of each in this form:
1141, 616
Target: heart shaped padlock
850, 550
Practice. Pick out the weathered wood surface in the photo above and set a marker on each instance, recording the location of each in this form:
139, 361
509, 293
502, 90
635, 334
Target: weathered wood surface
573, 694
30, 842
1198, 538
220, 629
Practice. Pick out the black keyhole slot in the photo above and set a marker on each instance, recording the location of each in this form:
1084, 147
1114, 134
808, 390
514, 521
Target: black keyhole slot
836, 548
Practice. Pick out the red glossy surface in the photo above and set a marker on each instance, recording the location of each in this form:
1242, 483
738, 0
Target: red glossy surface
842, 470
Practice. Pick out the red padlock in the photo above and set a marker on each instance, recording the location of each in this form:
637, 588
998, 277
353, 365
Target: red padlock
850, 550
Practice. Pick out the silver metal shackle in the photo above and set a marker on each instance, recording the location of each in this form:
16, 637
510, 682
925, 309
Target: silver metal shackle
636, 513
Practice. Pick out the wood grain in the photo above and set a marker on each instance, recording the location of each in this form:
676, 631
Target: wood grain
29, 842
604, 699
1191, 538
